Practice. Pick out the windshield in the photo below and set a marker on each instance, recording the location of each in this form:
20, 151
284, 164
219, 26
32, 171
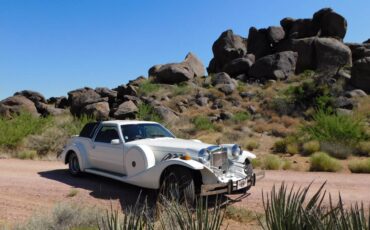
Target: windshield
142, 131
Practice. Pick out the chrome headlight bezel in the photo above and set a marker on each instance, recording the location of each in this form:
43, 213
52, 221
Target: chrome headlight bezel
204, 155
236, 150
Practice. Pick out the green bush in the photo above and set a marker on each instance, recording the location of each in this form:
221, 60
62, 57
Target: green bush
147, 87
271, 162
256, 162
321, 161
240, 117
203, 123
251, 145
359, 166
287, 164
334, 128
363, 148
292, 148
146, 112
288, 209
15, 130
311, 147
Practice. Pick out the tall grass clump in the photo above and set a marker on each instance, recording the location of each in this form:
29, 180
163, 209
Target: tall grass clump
359, 166
240, 117
336, 132
203, 123
181, 89
321, 161
64, 216
271, 162
13, 131
146, 112
291, 209
147, 87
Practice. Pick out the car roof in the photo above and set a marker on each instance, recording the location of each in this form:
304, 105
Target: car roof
127, 122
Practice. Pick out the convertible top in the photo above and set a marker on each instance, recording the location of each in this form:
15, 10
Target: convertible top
89, 129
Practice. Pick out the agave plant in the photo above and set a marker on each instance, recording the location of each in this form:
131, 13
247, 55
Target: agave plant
290, 209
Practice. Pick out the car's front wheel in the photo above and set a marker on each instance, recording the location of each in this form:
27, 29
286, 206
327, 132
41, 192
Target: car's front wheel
178, 185
74, 165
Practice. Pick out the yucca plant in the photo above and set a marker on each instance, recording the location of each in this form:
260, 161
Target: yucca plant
182, 217
290, 209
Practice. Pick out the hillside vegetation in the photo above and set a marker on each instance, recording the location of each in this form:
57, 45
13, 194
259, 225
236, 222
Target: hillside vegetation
286, 93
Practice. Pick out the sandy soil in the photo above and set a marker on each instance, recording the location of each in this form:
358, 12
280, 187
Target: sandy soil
28, 187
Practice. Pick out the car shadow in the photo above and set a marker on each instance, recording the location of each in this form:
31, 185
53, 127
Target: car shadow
105, 188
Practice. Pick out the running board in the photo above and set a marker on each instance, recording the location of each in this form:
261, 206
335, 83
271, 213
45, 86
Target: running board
115, 176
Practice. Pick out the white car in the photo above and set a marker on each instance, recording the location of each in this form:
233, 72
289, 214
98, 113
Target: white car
148, 155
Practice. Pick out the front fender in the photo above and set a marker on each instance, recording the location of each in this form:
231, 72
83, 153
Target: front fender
150, 178
245, 155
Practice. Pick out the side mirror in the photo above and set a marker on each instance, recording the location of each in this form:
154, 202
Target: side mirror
115, 142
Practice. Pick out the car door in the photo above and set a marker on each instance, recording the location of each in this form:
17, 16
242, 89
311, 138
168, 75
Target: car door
106, 155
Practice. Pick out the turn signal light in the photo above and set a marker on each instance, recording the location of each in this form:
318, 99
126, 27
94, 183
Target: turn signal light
185, 157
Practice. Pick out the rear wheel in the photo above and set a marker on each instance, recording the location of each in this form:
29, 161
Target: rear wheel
74, 165
178, 185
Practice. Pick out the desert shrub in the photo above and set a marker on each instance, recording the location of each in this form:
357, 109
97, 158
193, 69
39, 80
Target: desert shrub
27, 155
337, 149
271, 162
147, 113
363, 148
280, 146
64, 216
251, 145
288, 209
181, 89
15, 130
282, 105
256, 162
241, 215
240, 117
335, 128
202, 123
287, 164
359, 166
54, 137
292, 148
322, 162
311, 147
147, 87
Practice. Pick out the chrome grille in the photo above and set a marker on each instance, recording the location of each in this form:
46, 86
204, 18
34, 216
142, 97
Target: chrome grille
219, 161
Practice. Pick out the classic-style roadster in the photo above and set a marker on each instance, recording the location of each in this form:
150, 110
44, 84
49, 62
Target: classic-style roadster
148, 155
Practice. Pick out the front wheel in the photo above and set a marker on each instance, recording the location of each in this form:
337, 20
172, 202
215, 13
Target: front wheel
74, 165
178, 185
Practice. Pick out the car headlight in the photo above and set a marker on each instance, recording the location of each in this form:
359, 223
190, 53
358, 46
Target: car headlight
236, 150
204, 155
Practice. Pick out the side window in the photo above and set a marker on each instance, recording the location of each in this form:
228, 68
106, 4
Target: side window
106, 134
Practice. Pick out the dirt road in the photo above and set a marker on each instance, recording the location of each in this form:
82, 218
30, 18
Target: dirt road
28, 187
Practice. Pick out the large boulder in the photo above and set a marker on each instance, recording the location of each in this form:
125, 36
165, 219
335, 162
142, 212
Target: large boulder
258, 42
299, 28
331, 54
126, 110
359, 51
361, 74
48, 110
275, 34
178, 72
305, 49
224, 83
226, 48
168, 115
275, 66
32, 95
79, 98
16, 105
105, 92
99, 110
238, 66
330, 23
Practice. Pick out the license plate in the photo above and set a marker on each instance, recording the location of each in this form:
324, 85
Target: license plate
241, 183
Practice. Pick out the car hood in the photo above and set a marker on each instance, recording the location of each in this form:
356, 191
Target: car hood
174, 144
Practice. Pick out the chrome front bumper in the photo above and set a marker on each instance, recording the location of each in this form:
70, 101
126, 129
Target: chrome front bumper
231, 186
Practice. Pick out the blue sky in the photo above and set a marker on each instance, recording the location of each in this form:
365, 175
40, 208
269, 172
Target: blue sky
56, 46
